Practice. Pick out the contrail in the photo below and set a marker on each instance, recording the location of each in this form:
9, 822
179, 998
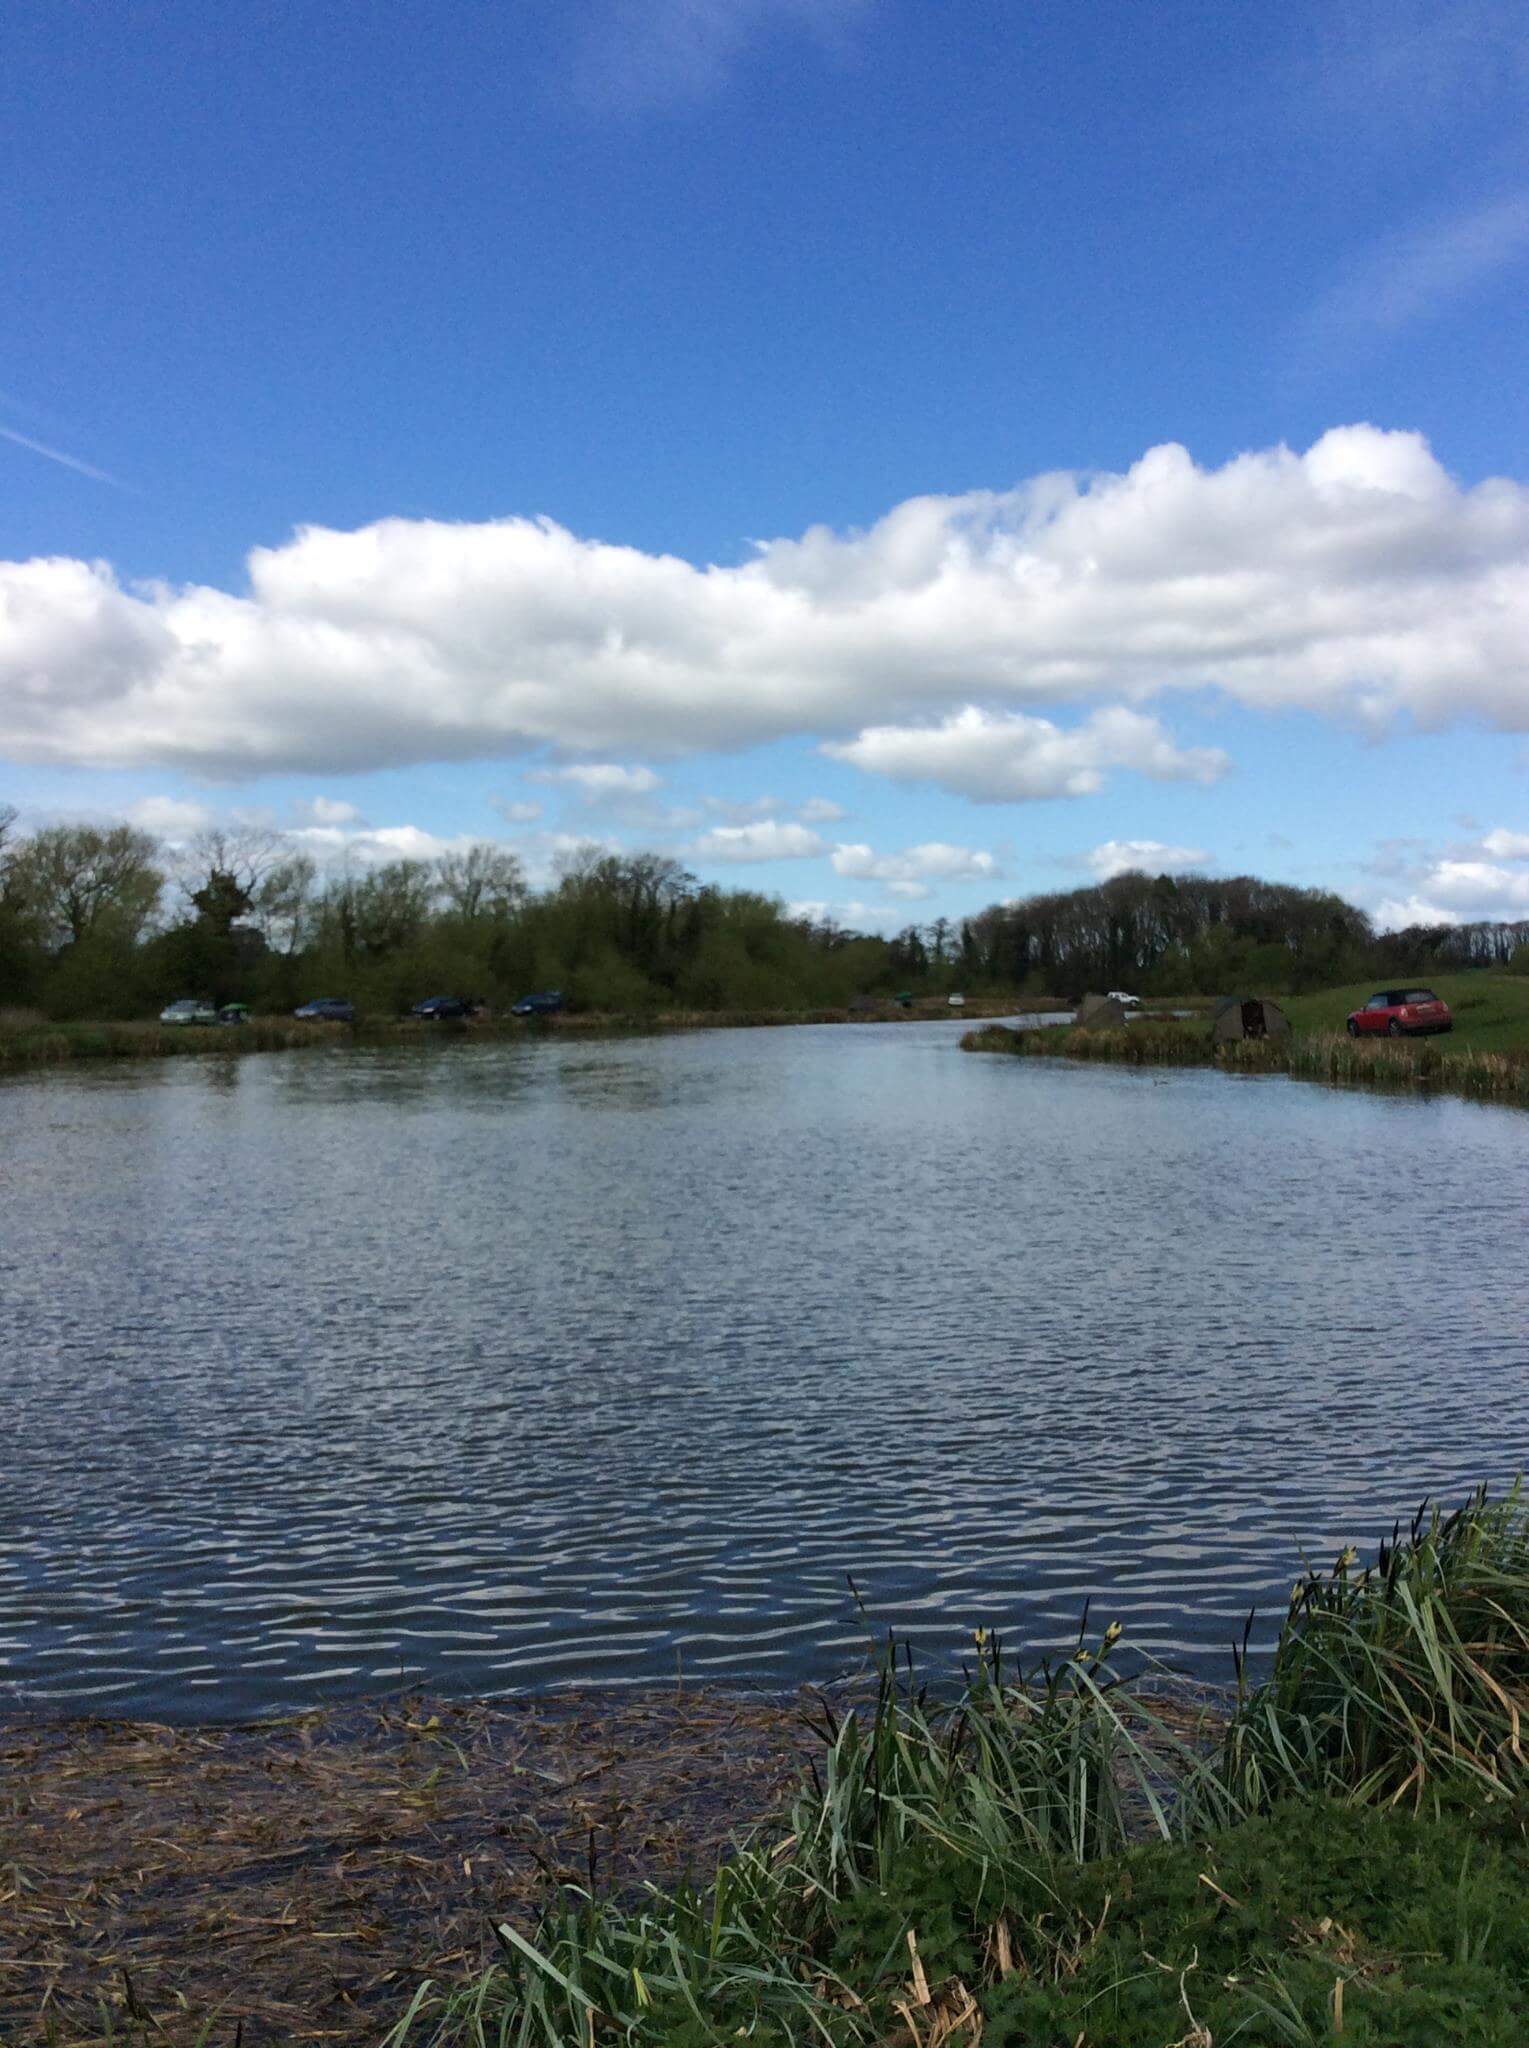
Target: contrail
101, 476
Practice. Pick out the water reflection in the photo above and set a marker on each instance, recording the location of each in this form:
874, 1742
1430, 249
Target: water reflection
496, 1365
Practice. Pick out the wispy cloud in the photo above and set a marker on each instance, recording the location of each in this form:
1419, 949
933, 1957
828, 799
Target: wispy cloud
653, 53
1392, 67
1421, 272
100, 476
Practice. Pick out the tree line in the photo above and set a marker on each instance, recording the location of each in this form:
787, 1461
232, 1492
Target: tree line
104, 921
1200, 935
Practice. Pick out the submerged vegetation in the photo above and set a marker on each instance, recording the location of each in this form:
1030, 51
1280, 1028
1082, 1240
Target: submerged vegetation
1053, 1858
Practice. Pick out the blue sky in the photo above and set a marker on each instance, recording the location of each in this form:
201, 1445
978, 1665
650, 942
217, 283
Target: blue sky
727, 425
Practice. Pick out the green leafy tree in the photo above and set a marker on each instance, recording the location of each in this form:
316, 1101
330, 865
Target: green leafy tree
82, 882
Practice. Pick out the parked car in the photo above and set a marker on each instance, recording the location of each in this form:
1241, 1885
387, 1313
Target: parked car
189, 1010
1401, 1012
1118, 995
327, 1010
545, 1003
445, 1006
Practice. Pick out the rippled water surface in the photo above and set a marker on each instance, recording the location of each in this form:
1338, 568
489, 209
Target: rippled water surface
485, 1366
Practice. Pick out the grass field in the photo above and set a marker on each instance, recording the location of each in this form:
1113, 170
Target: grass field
1491, 1011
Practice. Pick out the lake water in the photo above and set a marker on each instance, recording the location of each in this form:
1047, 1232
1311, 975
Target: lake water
487, 1366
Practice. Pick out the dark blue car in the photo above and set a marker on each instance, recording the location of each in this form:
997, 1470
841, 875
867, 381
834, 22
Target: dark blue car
444, 1006
545, 1003
327, 1010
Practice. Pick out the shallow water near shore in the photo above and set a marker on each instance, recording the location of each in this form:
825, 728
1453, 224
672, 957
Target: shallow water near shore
480, 1367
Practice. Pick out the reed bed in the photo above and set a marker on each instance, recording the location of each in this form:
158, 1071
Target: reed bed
1061, 1764
1408, 1679
52, 1044
947, 1871
1330, 1057
1178, 1043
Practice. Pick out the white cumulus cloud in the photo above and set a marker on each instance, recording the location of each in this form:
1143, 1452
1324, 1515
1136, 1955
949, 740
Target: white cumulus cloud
1489, 881
770, 839
1150, 856
326, 810
1459, 892
850, 916
910, 873
1012, 757
169, 817
1357, 579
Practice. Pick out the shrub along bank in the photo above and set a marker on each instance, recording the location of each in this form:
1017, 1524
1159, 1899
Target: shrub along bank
1050, 1860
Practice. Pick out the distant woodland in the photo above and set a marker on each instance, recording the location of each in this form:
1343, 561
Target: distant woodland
103, 922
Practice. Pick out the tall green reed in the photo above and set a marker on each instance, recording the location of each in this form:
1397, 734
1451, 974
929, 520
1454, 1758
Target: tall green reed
1406, 1680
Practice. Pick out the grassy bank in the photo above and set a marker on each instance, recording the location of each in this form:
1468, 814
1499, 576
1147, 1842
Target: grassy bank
26, 1039
1491, 1011
1058, 1856
1334, 1057
37, 1043
1048, 1859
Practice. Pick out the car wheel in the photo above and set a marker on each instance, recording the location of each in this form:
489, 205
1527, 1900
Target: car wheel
1393, 1029
1353, 1028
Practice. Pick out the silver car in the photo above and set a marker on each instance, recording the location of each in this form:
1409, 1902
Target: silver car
189, 1011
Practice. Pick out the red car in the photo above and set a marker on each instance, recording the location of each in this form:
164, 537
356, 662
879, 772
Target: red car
1399, 1011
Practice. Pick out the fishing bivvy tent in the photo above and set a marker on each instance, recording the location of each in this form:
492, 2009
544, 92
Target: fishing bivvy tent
1100, 1013
1249, 1017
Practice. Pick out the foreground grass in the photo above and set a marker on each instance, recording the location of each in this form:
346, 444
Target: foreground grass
1050, 1860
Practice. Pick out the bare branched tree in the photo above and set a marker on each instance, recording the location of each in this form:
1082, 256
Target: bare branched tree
483, 881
